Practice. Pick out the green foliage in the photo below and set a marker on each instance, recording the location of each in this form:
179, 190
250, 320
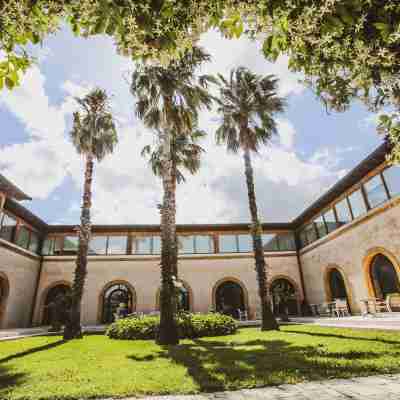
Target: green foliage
93, 131
189, 326
247, 103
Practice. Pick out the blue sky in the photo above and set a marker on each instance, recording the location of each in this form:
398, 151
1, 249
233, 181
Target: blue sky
313, 151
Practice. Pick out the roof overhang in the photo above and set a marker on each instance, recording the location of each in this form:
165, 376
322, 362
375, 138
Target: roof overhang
12, 191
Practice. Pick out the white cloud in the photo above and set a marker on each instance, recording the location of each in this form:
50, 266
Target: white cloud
227, 54
125, 190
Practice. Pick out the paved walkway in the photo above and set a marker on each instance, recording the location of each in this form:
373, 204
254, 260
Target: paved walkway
381, 387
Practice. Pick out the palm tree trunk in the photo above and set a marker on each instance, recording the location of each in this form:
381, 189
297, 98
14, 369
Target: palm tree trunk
73, 329
268, 319
168, 333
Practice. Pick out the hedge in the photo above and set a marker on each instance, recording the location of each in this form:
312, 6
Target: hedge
189, 325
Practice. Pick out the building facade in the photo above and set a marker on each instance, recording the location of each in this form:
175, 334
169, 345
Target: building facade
345, 245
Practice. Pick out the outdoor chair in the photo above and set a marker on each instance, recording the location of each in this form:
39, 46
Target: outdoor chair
378, 305
393, 302
243, 315
341, 308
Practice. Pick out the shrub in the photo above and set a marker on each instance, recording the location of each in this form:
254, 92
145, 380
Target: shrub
189, 325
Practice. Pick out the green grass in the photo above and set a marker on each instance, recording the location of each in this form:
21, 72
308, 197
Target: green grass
48, 368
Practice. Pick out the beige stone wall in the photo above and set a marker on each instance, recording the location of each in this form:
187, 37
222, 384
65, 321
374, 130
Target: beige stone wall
19, 268
200, 273
351, 248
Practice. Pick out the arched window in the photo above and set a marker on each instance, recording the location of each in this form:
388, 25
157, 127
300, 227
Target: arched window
183, 299
284, 298
114, 296
384, 276
229, 298
54, 295
337, 285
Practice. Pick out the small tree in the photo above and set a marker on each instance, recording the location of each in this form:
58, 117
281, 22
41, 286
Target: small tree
247, 103
94, 135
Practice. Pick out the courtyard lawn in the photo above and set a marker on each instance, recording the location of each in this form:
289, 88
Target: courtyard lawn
48, 368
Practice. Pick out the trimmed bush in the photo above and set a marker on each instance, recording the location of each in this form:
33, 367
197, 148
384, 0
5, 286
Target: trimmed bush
189, 325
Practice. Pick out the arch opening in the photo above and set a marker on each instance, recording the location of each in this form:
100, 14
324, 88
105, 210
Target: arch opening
383, 276
337, 288
54, 296
230, 298
284, 297
114, 296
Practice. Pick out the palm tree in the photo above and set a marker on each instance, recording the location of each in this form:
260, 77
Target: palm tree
247, 103
186, 154
94, 135
168, 101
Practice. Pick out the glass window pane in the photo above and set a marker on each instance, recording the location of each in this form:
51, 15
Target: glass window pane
245, 243
117, 244
48, 247
23, 237
330, 221
303, 238
204, 244
287, 242
71, 243
357, 203
156, 245
227, 244
186, 244
321, 227
34, 243
8, 228
143, 245
343, 212
58, 244
375, 191
311, 233
270, 242
98, 245
392, 178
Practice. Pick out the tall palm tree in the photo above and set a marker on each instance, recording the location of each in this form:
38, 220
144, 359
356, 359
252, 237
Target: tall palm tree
168, 101
185, 154
247, 103
94, 135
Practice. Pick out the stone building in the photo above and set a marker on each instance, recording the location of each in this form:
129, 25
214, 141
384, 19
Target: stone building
345, 245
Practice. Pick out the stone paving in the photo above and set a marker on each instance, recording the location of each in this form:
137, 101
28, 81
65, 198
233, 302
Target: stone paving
380, 387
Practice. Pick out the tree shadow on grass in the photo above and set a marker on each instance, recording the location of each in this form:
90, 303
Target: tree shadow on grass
9, 379
215, 366
339, 336
33, 350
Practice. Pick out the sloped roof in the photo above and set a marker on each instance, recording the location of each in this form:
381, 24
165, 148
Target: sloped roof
373, 160
11, 190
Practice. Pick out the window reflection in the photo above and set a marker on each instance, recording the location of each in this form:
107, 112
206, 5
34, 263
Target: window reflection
245, 243
321, 227
330, 221
357, 203
8, 228
186, 244
117, 244
270, 242
228, 244
392, 178
375, 191
343, 212
71, 243
204, 244
98, 245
